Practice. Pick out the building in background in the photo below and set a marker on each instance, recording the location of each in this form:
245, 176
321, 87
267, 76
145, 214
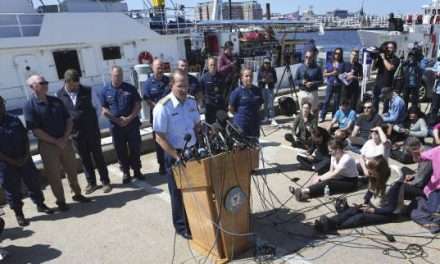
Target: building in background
247, 10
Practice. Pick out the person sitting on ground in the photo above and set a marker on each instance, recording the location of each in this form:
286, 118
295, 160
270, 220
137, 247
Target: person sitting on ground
317, 157
364, 123
344, 118
436, 134
403, 152
377, 145
414, 183
414, 126
341, 178
434, 182
343, 135
302, 128
381, 204
396, 113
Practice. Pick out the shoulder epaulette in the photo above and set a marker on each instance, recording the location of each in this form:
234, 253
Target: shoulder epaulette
165, 99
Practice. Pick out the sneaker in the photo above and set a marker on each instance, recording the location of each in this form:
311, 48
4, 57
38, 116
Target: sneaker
106, 188
80, 198
21, 220
126, 178
42, 208
300, 195
62, 206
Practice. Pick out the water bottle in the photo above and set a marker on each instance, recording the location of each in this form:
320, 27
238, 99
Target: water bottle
327, 192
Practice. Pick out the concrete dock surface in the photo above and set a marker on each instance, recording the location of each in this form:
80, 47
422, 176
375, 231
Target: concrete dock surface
132, 224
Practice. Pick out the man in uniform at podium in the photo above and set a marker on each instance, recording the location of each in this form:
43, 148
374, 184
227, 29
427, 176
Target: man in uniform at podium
175, 116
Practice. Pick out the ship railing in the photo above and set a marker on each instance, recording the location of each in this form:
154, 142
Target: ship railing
14, 25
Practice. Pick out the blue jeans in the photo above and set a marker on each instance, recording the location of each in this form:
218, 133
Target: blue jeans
329, 92
268, 103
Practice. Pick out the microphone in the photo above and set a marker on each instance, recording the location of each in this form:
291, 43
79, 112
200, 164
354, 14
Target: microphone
221, 117
187, 139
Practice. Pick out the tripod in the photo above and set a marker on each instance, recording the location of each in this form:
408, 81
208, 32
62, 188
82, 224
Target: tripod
286, 72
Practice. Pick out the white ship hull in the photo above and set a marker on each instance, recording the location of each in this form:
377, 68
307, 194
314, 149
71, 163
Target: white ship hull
83, 38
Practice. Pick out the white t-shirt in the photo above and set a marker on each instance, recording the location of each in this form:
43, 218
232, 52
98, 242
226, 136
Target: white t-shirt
371, 150
347, 165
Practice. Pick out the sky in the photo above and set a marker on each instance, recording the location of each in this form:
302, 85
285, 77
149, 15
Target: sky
379, 7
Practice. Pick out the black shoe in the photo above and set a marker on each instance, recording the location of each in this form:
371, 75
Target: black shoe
126, 178
42, 208
186, 235
139, 176
80, 198
162, 170
62, 206
106, 188
91, 188
21, 220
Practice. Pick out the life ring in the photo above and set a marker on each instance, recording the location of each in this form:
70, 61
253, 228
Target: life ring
145, 56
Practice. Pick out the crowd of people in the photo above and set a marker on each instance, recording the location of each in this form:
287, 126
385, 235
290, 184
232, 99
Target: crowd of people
67, 123
354, 148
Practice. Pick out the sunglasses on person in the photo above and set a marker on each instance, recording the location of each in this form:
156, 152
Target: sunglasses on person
43, 83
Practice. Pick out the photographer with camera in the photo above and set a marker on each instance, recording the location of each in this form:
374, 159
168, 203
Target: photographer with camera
386, 64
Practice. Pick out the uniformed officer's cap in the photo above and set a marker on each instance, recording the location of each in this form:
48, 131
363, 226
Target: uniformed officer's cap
71, 75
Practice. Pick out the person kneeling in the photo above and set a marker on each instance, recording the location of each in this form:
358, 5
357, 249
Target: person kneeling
381, 204
341, 178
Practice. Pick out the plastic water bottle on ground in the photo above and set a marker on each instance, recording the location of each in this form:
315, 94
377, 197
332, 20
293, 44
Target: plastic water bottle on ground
327, 192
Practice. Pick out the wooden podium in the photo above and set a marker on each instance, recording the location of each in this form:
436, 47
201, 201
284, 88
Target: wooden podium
216, 193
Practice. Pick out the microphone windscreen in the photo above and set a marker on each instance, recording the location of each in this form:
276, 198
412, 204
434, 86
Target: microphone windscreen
187, 137
221, 115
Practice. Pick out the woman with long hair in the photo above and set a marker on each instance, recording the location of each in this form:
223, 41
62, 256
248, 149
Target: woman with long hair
317, 157
334, 84
341, 178
382, 202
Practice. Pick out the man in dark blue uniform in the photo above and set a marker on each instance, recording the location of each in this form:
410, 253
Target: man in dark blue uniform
155, 88
213, 88
16, 165
51, 124
121, 104
85, 132
245, 102
194, 85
